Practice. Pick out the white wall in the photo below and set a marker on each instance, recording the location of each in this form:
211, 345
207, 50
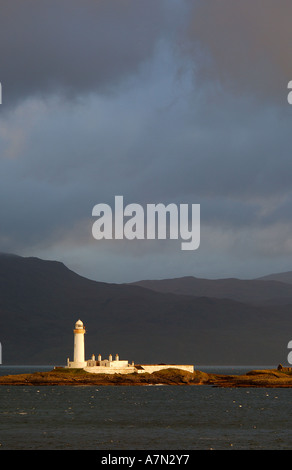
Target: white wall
110, 370
155, 367
130, 369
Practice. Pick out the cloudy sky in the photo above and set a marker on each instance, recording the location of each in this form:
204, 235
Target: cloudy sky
180, 101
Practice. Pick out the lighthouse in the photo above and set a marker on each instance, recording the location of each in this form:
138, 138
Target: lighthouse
79, 350
109, 366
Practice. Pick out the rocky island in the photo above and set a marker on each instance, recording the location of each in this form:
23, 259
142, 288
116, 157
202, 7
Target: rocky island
61, 376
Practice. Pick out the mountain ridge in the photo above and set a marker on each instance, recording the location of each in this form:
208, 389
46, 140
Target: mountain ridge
251, 290
285, 277
41, 300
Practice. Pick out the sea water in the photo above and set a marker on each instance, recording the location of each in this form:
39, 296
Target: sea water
159, 417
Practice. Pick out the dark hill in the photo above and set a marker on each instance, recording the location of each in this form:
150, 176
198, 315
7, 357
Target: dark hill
236, 289
41, 300
281, 277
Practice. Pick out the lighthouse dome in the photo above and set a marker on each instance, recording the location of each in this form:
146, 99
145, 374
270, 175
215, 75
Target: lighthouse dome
78, 324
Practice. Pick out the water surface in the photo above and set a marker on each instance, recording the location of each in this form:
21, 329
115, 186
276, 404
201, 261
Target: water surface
143, 417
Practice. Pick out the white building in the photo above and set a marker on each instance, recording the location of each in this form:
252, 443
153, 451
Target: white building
79, 348
110, 366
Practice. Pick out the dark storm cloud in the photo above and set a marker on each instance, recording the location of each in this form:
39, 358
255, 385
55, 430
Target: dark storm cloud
162, 110
74, 46
244, 44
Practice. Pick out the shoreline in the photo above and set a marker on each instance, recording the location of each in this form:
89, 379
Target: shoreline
264, 378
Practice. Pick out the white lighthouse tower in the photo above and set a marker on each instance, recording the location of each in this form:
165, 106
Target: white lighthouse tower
79, 350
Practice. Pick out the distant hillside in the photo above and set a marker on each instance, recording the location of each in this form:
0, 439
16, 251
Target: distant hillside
236, 289
281, 277
41, 300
